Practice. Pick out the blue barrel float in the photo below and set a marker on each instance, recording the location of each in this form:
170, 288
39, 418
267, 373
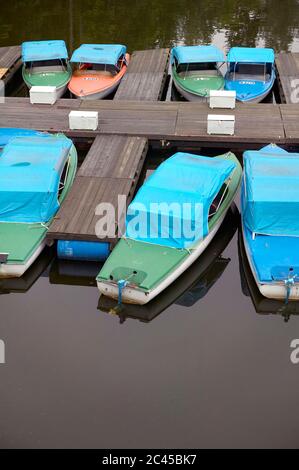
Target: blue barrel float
82, 251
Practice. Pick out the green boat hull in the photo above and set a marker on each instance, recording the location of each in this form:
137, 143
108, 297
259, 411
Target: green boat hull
149, 266
48, 78
196, 85
24, 241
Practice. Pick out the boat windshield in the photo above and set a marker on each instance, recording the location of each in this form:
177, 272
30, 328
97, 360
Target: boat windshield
40, 66
104, 68
217, 202
241, 71
208, 67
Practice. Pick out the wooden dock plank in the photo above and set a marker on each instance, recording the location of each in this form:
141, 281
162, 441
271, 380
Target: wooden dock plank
113, 157
290, 116
259, 123
177, 121
145, 77
10, 62
287, 65
110, 169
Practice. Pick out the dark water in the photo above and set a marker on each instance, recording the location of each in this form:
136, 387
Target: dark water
209, 371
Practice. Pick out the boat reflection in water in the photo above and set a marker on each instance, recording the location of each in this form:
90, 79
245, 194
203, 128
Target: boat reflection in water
191, 286
262, 305
74, 273
24, 283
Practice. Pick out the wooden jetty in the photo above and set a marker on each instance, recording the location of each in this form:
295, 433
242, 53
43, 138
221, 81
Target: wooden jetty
287, 65
145, 77
137, 117
10, 62
111, 168
256, 124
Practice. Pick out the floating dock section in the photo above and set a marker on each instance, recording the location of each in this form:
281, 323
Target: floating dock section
111, 168
287, 65
145, 77
10, 62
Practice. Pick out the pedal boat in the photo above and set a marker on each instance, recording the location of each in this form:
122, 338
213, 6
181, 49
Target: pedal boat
36, 174
179, 209
45, 63
251, 73
189, 288
270, 222
196, 71
100, 70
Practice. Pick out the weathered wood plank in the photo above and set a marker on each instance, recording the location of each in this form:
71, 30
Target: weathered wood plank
111, 168
10, 62
145, 77
287, 65
116, 157
255, 124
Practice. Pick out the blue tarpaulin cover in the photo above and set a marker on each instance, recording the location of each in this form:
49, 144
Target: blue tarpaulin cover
183, 178
254, 55
270, 195
30, 171
8, 133
194, 54
43, 50
99, 53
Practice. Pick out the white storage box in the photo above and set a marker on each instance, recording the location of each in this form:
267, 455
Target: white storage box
221, 124
43, 95
222, 99
87, 120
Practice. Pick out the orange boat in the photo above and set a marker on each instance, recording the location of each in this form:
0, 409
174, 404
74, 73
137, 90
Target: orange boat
100, 70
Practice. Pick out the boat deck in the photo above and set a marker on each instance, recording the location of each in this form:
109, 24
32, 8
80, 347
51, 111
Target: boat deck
287, 65
145, 77
111, 168
10, 62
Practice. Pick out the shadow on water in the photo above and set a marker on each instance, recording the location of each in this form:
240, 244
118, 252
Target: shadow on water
74, 273
262, 305
189, 288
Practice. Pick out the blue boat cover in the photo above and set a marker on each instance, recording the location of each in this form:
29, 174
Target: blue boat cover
43, 50
8, 133
252, 55
99, 53
270, 194
30, 171
172, 206
194, 54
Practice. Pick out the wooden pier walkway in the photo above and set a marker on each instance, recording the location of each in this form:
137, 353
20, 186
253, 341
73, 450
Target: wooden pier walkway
287, 65
145, 77
256, 124
10, 62
111, 168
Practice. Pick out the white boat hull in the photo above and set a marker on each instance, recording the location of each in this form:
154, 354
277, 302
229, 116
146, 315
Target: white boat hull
271, 290
138, 296
17, 270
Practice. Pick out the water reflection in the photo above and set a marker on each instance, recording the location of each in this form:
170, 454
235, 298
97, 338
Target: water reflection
74, 273
261, 304
23, 284
189, 288
153, 23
